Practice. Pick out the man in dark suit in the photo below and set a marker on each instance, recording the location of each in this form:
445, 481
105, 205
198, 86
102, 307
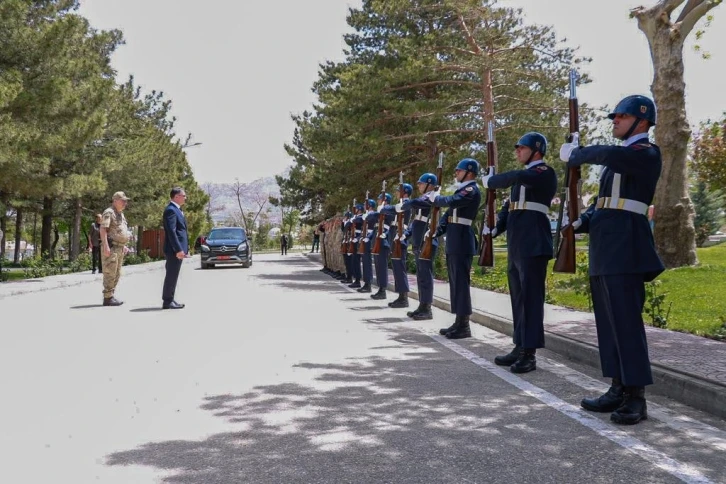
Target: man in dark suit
176, 245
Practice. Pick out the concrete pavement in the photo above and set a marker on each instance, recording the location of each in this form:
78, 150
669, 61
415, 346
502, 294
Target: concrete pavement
278, 373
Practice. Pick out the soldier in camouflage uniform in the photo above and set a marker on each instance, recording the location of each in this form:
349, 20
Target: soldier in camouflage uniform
114, 236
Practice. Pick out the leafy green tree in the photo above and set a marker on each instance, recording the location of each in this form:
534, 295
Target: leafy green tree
709, 205
709, 154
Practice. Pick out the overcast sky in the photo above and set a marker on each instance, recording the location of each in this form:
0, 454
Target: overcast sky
235, 70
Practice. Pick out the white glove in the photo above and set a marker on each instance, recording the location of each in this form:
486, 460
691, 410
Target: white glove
383, 235
366, 240
403, 236
567, 148
395, 238
368, 234
485, 178
486, 230
399, 207
427, 234
431, 196
576, 224
355, 241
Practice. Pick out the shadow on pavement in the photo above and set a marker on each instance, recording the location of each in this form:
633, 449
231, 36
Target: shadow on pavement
145, 310
87, 306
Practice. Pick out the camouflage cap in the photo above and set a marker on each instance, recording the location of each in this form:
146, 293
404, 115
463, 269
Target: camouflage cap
120, 196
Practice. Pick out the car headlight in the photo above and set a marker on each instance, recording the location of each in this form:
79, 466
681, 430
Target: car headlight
242, 246
205, 248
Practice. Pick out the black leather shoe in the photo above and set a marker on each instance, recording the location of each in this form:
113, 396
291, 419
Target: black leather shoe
111, 301
525, 363
356, 284
451, 328
423, 312
401, 302
347, 280
381, 294
366, 288
609, 401
462, 331
508, 359
410, 314
172, 305
634, 409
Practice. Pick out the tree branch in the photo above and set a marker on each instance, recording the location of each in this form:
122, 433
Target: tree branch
668, 5
694, 14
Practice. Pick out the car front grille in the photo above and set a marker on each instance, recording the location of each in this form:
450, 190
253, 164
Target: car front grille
223, 250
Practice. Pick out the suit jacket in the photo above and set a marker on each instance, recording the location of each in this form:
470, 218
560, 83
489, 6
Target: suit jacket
175, 231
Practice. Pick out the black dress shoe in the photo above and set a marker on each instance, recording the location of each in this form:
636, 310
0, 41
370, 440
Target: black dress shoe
356, 284
525, 363
401, 302
451, 328
634, 409
609, 401
462, 331
366, 288
111, 301
508, 359
172, 305
381, 294
410, 314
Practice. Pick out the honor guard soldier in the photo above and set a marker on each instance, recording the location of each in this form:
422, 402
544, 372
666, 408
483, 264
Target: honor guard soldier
461, 245
417, 228
622, 254
380, 260
400, 276
347, 257
525, 218
369, 223
355, 256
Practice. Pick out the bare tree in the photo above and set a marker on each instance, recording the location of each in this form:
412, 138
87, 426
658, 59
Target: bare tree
249, 195
675, 235
215, 192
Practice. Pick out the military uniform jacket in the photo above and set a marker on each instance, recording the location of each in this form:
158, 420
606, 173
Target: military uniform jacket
419, 208
621, 241
358, 231
389, 217
464, 203
528, 231
406, 214
371, 227
117, 229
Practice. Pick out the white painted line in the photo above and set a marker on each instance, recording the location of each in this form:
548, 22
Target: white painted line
677, 469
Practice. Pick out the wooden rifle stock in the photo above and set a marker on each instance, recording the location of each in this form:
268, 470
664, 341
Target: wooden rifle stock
381, 218
427, 250
565, 261
486, 248
344, 241
397, 252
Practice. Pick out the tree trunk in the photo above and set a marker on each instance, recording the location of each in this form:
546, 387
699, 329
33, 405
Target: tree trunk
35, 233
18, 234
75, 248
3, 228
139, 238
56, 237
46, 227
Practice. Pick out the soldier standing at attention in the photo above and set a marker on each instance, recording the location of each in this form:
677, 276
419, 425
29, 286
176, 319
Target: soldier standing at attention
622, 254
347, 258
400, 277
461, 243
529, 246
369, 223
114, 235
418, 226
357, 222
380, 260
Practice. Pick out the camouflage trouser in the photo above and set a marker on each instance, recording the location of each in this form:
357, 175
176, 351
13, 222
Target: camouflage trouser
111, 269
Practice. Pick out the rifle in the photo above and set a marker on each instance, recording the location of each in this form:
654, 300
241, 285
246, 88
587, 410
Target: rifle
344, 242
486, 248
427, 250
397, 252
565, 245
351, 232
381, 218
363, 227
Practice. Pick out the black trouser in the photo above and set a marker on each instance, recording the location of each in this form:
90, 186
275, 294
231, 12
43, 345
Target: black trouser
459, 266
526, 277
316, 244
173, 266
283, 250
96, 258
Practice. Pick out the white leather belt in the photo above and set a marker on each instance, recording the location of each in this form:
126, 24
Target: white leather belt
421, 218
460, 220
622, 204
537, 207
386, 226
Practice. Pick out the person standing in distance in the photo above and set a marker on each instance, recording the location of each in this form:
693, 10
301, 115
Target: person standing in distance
283, 244
622, 254
94, 244
114, 234
176, 245
529, 246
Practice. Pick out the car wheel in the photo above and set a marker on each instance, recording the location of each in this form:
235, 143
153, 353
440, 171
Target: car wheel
246, 265
204, 266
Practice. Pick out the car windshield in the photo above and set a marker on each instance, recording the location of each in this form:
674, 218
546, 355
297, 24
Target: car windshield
227, 234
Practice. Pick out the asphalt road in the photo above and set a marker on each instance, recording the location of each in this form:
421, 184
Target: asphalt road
280, 374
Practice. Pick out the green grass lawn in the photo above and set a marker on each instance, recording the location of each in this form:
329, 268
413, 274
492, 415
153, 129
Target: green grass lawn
694, 294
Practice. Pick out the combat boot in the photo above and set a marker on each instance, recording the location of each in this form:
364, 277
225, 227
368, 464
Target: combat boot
607, 402
462, 331
401, 302
355, 284
410, 314
451, 328
525, 363
347, 280
366, 287
381, 294
424, 312
634, 409
111, 301
508, 359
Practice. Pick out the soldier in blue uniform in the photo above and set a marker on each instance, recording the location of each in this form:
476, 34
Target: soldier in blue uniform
368, 226
380, 260
461, 244
622, 254
357, 222
525, 218
400, 278
421, 207
347, 258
